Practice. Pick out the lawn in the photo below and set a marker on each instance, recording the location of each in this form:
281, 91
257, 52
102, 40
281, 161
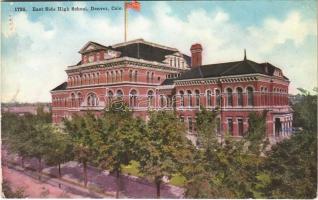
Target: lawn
132, 169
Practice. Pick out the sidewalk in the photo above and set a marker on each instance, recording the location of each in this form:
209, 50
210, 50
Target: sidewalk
33, 188
103, 182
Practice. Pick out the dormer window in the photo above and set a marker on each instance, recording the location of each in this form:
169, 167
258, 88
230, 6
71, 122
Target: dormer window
97, 56
91, 58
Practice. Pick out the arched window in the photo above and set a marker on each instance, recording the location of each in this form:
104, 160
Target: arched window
97, 81
84, 79
92, 100
110, 97
209, 98
119, 94
121, 75
107, 77
229, 97
72, 100
113, 76
79, 82
152, 76
94, 78
130, 75
181, 98
89, 78
239, 96
162, 101
190, 98
218, 97
197, 97
117, 76
148, 77
250, 96
266, 96
150, 98
135, 76
80, 98
133, 98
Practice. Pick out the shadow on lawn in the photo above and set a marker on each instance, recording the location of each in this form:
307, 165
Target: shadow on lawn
130, 186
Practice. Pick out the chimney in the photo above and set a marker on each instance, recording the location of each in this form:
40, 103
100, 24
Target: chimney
196, 55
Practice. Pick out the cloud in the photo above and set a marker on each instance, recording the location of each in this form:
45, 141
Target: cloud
274, 32
38, 51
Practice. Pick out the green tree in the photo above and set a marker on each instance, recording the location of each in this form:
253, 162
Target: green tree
290, 168
120, 138
228, 168
290, 171
39, 143
165, 147
305, 111
8, 125
20, 135
41, 115
84, 132
206, 128
61, 149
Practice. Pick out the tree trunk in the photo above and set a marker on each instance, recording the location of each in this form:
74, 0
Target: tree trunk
118, 183
85, 173
158, 189
60, 175
22, 161
39, 169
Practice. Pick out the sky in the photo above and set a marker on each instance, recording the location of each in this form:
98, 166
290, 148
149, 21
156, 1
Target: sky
37, 46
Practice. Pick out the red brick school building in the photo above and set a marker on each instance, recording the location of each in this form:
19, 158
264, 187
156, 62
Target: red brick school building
149, 76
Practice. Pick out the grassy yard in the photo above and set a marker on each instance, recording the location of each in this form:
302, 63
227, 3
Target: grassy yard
132, 169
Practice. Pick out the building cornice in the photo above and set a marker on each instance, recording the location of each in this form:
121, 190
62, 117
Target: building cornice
227, 79
122, 61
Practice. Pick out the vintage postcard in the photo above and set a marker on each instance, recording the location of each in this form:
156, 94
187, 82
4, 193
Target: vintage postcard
159, 99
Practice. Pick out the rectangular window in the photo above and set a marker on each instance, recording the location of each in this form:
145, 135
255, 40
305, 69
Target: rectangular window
240, 127
230, 126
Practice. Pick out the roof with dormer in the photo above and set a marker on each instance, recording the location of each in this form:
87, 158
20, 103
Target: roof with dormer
139, 49
142, 49
243, 67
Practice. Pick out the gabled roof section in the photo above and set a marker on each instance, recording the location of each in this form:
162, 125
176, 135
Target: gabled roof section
92, 46
63, 86
142, 49
229, 69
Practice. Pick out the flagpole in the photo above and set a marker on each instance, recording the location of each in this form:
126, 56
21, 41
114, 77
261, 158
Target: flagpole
125, 23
